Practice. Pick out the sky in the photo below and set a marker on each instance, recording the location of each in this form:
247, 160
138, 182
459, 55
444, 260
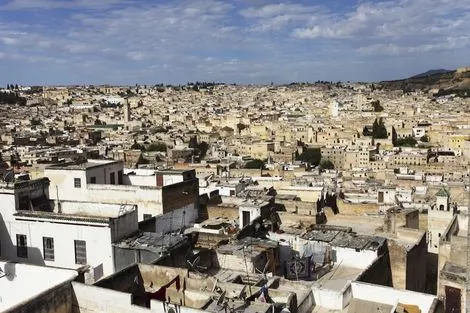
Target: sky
44, 42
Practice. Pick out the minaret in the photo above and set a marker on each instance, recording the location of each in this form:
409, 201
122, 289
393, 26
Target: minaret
127, 111
334, 109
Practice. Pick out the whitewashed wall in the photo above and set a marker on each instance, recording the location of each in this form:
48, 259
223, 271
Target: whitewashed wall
391, 296
98, 243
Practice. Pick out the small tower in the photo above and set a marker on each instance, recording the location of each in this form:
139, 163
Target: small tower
439, 216
334, 108
443, 200
127, 111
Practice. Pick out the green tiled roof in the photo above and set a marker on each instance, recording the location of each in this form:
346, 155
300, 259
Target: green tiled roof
443, 193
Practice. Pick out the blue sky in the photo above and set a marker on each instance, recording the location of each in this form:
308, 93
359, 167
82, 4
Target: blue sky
242, 41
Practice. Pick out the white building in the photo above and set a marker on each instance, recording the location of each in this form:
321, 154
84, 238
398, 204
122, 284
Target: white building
103, 181
439, 218
76, 235
22, 284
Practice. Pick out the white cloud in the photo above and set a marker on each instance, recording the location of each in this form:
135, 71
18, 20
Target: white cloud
210, 39
60, 4
274, 17
388, 19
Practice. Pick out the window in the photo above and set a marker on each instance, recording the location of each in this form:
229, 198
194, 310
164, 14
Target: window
48, 248
147, 216
21, 246
112, 178
80, 251
120, 174
77, 182
93, 180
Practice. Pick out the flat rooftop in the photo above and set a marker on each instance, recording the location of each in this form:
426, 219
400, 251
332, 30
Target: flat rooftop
82, 166
90, 212
151, 241
345, 239
22, 282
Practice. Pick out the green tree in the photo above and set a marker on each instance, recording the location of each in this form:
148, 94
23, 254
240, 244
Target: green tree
193, 142
326, 164
99, 122
241, 127
394, 137
35, 121
379, 130
408, 141
311, 155
377, 106
202, 148
136, 146
256, 163
157, 146
425, 138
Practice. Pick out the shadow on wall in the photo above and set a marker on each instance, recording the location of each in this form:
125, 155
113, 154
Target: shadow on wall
9, 250
8, 271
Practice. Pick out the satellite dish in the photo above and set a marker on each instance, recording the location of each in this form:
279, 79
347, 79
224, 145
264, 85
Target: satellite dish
9, 176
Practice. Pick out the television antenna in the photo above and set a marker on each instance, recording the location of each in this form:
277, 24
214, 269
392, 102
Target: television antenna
194, 265
263, 272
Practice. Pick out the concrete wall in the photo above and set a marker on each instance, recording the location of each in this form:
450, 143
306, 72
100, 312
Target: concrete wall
22, 283
354, 208
416, 266
92, 299
234, 262
179, 195
328, 298
56, 300
124, 225
398, 263
230, 212
458, 250
378, 273
290, 218
176, 219
391, 296
140, 180
306, 194
356, 259
438, 221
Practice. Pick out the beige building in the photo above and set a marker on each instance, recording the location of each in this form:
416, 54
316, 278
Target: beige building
410, 157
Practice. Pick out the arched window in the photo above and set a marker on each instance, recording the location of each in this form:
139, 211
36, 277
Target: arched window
441, 207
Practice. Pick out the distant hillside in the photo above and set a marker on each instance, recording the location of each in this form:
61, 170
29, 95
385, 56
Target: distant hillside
447, 82
431, 72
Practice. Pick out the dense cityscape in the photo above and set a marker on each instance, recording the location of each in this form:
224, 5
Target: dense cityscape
193, 156
306, 197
